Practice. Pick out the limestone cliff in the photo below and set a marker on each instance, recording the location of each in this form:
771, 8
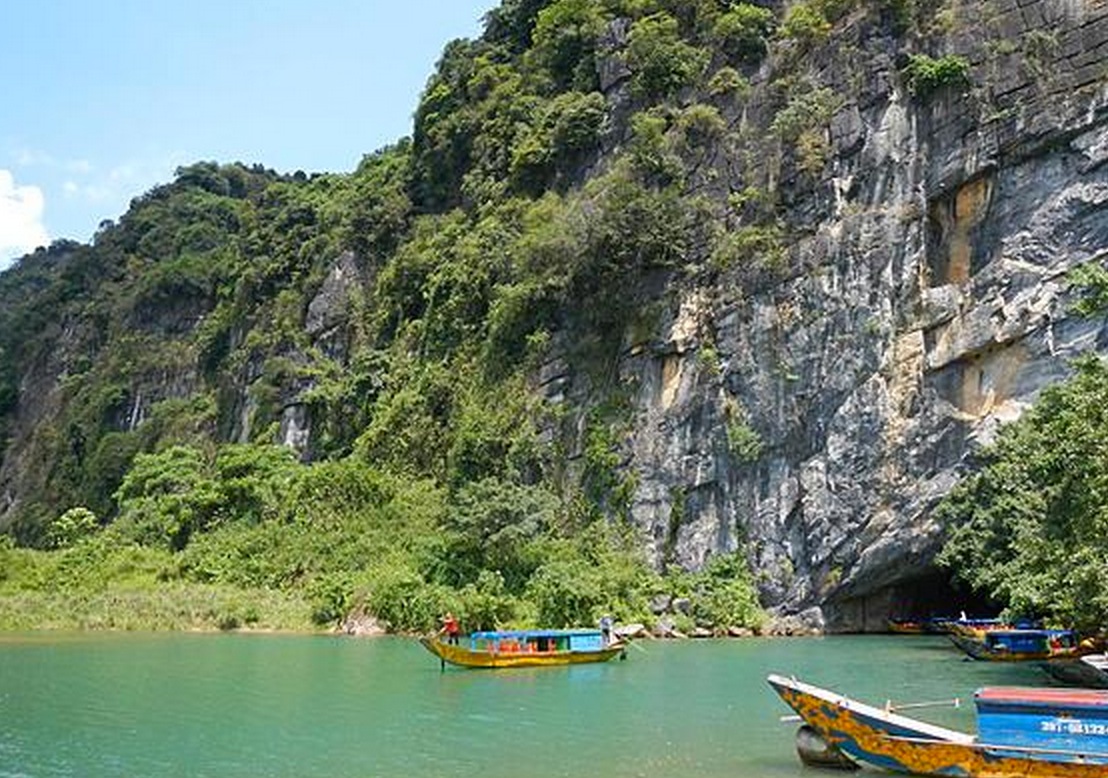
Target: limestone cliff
927, 305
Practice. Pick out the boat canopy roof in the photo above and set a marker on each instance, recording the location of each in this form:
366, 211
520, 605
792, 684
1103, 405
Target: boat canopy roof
1029, 639
524, 634
1017, 696
1048, 633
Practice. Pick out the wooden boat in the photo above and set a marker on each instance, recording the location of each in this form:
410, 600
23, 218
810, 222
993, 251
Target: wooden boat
1089, 671
907, 626
941, 625
978, 628
527, 648
1055, 733
1019, 645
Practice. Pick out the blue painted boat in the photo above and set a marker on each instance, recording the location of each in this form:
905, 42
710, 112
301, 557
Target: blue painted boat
1061, 733
1020, 645
527, 648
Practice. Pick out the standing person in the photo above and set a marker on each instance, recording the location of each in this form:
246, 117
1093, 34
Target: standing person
450, 628
606, 630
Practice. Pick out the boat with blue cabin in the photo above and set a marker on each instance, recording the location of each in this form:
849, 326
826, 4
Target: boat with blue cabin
527, 648
1020, 645
1062, 733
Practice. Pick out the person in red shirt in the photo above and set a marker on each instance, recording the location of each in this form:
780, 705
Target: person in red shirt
450, 628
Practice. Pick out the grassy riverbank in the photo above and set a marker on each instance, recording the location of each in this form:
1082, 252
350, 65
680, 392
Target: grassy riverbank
93, 585
180, 607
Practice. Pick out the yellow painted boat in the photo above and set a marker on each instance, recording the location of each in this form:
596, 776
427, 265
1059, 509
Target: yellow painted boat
1021, 645
1022, 733
526, 648
906, 626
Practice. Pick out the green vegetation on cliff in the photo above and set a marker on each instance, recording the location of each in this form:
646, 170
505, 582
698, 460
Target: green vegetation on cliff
189, 324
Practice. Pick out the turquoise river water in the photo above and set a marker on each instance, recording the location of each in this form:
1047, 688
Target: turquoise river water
277, 705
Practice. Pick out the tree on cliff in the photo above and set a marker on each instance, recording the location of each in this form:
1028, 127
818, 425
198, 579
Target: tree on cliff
1031, 527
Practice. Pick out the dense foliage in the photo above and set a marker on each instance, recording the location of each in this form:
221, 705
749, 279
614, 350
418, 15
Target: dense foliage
1029, 529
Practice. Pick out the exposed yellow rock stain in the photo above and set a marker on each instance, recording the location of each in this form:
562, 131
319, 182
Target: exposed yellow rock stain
958, 220
907, 363
988, 380
672, 365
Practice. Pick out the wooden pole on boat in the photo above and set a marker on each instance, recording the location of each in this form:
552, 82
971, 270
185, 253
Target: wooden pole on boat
891, 708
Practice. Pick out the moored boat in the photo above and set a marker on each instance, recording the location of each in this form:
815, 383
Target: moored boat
1061, 733
900, 626
1019, 645
526, 648
1089, 671
978, 628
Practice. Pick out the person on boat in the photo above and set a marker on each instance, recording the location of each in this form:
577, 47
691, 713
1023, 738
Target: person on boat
450, 628
606, 630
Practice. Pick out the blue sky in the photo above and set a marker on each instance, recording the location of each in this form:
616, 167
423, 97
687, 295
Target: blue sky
103, 100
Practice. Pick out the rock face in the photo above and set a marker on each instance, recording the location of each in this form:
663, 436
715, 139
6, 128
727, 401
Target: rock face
929, 306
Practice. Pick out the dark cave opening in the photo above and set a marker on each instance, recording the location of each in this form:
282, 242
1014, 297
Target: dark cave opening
930, 594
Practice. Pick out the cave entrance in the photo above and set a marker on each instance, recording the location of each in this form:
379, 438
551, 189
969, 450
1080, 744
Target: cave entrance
929, 594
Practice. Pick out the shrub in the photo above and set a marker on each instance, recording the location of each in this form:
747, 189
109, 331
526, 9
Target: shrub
728, 81
661, 62
330, 597
72, 526
564, 41
700, 128
724, 594
805, 110
925, 75
742, 31
567, 127
743, 441
1090, 281
805, 23
754, 246
165, 497
567, 593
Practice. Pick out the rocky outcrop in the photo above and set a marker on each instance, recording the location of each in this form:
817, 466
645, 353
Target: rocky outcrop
927, 305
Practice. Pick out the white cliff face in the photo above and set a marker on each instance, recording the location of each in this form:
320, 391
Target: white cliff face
929, 306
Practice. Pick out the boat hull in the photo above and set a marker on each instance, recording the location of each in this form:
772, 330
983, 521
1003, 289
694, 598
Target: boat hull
903, 745
976, 649
906, 627
465, 657
1090, 672
980, 648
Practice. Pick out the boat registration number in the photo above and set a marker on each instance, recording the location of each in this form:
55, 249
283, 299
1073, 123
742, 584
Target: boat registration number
1073, 727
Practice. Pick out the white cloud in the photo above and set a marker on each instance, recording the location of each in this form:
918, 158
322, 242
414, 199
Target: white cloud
91, 193
21, 229
25, 157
